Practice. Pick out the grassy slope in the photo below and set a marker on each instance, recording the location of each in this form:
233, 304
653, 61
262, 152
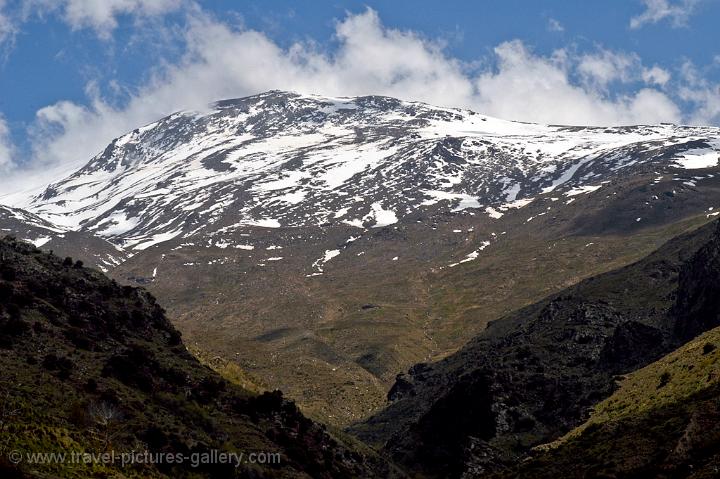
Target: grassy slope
319, 342
661, 422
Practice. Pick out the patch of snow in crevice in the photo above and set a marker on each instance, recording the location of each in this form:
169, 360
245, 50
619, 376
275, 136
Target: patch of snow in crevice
381, 216
38, 242
263, 223
493, 213
471, 256
464, 201
329, 254
517, 204
117, 224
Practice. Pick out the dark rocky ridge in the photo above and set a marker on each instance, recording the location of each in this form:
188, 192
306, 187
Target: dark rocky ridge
664, 420
534, 375
697, 307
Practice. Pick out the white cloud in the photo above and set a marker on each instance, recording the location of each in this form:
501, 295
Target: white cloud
6, 148
703, 94
222, 61
658, 10
8, 28
535, 88
604, 67
656, 76
101, 15
554, 25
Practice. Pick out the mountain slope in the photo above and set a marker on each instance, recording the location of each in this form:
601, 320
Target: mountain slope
92, 249
394, 231
535, 374
90, 366
283, 159
661, 422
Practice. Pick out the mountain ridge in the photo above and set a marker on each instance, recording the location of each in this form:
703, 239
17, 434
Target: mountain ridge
275, 147
534, 375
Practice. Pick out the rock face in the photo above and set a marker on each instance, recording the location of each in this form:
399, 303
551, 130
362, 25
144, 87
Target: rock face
698, 298
534, 375
661, 422
91, 366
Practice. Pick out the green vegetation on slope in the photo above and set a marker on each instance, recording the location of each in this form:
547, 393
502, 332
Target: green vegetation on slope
663, 421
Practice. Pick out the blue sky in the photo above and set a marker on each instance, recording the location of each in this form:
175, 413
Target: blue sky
76, 73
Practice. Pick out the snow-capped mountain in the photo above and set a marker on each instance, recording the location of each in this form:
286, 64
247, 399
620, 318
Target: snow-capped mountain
282, 160
327, 244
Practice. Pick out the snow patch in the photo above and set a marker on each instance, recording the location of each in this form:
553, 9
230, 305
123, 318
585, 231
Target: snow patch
472, 256
698, 158
493, 213
580, 190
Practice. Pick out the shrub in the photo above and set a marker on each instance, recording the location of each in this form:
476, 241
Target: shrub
175, 338
175, 376
664, 379
62, 365
6, 292
68, 262
135, 367
14, 327
10, 329
137, 319
155, 438
13, 310
208, 389
78, 338
8, 274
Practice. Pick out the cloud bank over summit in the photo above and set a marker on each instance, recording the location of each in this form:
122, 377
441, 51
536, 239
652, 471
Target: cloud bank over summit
222, 59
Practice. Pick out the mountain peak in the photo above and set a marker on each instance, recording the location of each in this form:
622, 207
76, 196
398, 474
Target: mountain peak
292, 160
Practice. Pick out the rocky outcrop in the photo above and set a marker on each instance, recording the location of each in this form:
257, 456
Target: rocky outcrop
697, 307
536, 374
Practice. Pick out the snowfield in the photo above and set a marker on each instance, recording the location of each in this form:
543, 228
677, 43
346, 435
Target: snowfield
284, 160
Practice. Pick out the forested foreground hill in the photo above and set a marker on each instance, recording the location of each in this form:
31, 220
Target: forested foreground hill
89, 366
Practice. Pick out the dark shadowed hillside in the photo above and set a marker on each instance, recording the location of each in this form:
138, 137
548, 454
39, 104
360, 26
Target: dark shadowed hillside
663, 422
536, 374
91, 366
